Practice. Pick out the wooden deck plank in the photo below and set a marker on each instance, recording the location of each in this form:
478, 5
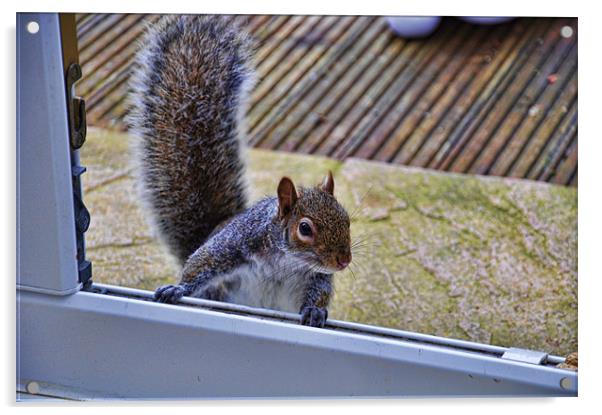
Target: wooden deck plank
81, 18
91, 24
295, 108
540, 115
271, 36
110, 84
361, 96
112, 52
376, 111
429, 135
541, 144
337, 87
347, 86
267, 134
493, 119
483, 102
302, 50
564, 133
333, 82
103, 27
271, 71
266, 28
440, 138
109, 93
254, 23
362, 99
574, 179
567, 167
518, 123
272, 89
348, 90
386, 140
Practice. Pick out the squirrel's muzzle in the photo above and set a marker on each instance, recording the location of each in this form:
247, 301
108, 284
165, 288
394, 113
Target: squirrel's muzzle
343, 260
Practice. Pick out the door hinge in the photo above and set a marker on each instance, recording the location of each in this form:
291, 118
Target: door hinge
76, 109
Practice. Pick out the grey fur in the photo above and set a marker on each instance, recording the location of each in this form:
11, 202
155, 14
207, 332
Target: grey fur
190, 90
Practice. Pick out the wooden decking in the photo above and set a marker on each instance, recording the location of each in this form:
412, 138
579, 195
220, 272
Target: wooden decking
498, 100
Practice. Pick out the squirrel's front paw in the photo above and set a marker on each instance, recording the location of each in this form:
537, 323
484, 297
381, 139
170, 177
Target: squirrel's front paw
169, 293
314, 316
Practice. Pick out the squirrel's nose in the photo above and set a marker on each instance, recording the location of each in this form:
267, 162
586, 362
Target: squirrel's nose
344, 260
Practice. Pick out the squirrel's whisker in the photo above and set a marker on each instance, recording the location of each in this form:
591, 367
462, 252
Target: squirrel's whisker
359, 203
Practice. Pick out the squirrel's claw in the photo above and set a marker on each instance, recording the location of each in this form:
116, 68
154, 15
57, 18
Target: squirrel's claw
314, 316
169, 294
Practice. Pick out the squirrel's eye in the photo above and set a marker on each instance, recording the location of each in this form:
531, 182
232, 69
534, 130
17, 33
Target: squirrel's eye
305, 229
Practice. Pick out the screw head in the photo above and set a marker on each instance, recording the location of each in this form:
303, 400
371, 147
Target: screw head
565, 383
33, 388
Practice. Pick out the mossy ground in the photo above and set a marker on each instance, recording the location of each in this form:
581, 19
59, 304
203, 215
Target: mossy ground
487, 259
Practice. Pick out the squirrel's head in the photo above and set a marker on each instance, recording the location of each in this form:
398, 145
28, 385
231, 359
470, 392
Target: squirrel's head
317, 226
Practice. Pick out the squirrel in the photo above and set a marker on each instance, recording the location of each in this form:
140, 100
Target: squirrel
190, 89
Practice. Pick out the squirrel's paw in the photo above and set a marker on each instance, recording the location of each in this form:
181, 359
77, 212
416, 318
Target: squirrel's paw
169, 293
314, 316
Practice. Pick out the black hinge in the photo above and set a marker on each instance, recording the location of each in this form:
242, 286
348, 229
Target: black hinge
77, 131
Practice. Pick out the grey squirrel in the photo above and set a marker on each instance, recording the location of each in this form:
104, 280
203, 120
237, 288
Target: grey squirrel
189, 96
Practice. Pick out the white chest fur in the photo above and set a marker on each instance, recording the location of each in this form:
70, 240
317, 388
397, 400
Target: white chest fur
276, 284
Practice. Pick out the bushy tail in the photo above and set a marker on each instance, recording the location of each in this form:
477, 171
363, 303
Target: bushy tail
190, 88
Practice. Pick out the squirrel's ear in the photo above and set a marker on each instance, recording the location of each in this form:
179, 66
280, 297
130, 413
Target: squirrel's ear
328, 183
287, 196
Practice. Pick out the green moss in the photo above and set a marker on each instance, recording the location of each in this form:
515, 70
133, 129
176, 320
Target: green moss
486, 243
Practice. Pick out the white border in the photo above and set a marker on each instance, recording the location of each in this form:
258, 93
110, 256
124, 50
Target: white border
589, 196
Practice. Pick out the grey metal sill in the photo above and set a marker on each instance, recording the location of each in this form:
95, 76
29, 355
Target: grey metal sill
334, 325
116, 344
